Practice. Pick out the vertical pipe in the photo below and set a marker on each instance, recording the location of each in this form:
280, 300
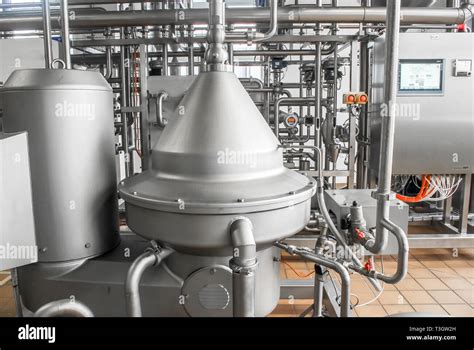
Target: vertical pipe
244, 266
191, 52
388, 124
124, 103
48, 46
317, 89
362, 169
65, 33
164, 49
318, 291
144, 121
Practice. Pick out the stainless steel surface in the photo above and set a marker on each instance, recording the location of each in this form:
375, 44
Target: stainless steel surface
229, 164
339, 202
433, 133
69, 119
23, 53
243, 15
100, 282
17, 229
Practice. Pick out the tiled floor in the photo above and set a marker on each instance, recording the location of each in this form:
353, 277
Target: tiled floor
439, 281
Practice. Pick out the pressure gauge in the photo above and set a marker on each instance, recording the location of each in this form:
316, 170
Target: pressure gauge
291, 120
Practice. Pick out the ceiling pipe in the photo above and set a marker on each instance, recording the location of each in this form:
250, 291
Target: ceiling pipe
287, 14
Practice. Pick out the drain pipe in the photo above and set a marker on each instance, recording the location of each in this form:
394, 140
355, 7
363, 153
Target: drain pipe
244, 266
64, 308
151, 257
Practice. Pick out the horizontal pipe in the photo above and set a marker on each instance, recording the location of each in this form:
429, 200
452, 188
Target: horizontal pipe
288, 14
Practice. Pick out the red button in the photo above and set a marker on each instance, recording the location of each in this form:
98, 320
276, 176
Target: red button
351, 98
363, 99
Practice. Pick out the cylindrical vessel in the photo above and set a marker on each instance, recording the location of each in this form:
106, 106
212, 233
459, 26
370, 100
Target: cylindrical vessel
68, 115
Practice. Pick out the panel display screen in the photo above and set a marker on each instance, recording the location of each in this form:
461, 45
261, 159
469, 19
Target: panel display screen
421, 76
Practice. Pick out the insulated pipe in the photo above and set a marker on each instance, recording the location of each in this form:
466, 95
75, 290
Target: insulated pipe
307, 254
287, 14
48, 46
65, 33
64, 308
382, 195
244, 266
151, 257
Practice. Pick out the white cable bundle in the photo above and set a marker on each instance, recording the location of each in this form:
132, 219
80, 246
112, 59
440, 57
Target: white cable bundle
442, 187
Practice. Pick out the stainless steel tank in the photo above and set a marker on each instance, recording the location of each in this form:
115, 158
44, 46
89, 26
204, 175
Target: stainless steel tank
216, 160
69, 119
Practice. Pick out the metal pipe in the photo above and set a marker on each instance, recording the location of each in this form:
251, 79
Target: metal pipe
124, 98
65, 33
273, 23
287, 14
164, 58
327, 217
317, 87
151, 257
108, 63
402, 257
162, 96
290, 101
382, 195
244, 266
190, 60
48, 46
307, 254
251, 80
64, 308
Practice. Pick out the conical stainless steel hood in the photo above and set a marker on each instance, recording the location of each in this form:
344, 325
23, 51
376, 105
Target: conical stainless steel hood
216, 159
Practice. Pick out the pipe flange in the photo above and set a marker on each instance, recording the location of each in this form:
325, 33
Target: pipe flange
245, 270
